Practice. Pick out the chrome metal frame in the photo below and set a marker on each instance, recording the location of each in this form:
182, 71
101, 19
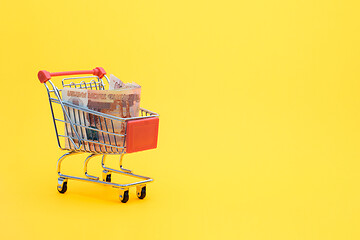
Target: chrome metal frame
78, 140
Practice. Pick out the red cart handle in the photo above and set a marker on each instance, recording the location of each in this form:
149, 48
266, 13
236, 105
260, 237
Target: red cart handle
44, 76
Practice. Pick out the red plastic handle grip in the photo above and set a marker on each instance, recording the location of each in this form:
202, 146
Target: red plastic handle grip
45, 76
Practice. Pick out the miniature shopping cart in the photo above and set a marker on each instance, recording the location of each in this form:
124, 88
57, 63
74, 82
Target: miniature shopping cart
77, 132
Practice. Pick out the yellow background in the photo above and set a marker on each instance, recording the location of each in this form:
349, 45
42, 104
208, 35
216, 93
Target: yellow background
259, 127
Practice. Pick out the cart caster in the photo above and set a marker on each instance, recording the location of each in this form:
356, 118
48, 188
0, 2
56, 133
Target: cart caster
62, 185
124, 196
106, 176
141, 192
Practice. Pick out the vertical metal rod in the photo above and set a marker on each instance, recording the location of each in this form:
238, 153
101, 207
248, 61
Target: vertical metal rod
102, 132
85, 167
121, 159
113, 130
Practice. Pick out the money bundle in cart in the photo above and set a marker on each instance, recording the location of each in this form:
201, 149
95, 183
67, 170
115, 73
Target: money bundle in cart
91, 119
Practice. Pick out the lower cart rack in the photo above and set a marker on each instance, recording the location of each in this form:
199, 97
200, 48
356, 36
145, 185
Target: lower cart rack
106, 178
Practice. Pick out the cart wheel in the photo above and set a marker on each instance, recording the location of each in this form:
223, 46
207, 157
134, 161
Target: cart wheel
124, 197
108, 178
142, 194
64, 188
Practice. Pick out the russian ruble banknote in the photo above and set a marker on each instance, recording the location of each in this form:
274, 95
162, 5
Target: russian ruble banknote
96, 132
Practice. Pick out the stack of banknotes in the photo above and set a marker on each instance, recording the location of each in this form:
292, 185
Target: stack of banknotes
121, 100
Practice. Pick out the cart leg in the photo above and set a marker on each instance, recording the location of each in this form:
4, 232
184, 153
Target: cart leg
121, 159
62, 182
85, 167
62, 185
107, 170
124, 195
62, 158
